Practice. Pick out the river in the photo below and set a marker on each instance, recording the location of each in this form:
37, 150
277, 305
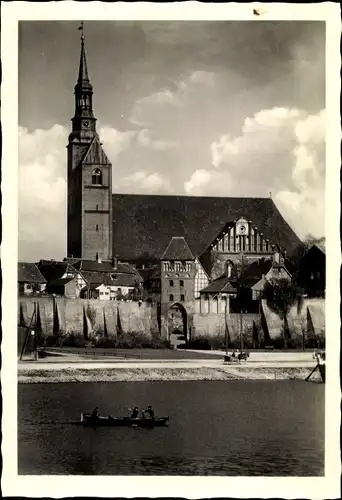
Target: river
249, 428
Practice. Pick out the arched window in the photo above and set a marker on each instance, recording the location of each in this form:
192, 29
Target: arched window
97, 227
96, 177
171, 298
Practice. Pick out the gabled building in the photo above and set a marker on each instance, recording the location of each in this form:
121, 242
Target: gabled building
184, 241
107, 280
311, 272
138, 228
244, 285
62, 278
30, 279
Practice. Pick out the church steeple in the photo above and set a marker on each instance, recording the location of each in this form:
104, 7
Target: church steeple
90, 220
83, 122
83, 70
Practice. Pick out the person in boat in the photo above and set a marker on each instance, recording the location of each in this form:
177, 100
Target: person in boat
135, 412
149, 411
96, 412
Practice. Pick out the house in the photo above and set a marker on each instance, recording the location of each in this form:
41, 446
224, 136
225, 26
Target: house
151, 282
107, 280
30, 279
65, 287
311, 272
245, 284
62, 278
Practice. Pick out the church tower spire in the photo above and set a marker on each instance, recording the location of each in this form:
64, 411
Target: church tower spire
89, 177
83, 122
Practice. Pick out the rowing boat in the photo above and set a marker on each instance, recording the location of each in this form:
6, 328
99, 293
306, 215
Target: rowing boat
88, 420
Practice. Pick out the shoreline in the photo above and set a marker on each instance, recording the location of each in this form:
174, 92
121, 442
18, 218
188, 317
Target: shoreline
71, 374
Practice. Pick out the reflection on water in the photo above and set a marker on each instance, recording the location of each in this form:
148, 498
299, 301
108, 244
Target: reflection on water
216, 428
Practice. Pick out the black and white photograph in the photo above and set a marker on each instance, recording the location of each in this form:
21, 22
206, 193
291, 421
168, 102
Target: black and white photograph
171, 312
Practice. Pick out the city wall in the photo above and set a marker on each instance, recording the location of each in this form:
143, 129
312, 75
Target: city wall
86, 317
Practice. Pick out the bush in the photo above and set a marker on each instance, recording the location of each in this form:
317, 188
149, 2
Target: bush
73, 339
134, 340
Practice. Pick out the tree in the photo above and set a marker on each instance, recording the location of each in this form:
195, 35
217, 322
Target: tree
310, 240
280, 296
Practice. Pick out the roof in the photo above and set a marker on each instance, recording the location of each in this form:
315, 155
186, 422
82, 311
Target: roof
150, 273
93, 265
177, 249
144, 224
95, 277
29, 273
320, 246
220, 285
60, 282
125, 280
53, 269
110, 279
253, 273
102, 267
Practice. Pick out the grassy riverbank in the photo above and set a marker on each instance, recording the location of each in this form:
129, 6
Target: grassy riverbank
128, 374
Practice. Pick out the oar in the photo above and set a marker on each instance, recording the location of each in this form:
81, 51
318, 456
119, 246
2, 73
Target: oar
307, 378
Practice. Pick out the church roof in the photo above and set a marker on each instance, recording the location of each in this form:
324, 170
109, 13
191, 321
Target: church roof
144, 224
177, 249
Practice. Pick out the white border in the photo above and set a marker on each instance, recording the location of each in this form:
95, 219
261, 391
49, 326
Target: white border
198, 487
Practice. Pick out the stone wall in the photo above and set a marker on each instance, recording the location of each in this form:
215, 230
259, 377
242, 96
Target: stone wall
86, 317
214, 324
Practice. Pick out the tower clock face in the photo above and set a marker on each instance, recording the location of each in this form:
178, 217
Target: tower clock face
242, 229
86, 124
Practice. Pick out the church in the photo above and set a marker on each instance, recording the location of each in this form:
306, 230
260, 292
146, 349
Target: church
180, 244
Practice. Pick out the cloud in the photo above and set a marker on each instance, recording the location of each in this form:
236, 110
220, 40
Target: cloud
176, 95
199, 180
114, 140
43, 187
144, 139
42, 193
140, 182
280, 150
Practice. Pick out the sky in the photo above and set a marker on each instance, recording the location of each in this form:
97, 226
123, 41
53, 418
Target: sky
191, 108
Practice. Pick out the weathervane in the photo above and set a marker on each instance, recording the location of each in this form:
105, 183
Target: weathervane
81, 29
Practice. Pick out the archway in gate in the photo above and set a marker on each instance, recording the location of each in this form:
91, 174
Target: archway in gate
177, 324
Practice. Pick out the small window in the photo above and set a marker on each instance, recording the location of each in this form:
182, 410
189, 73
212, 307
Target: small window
181, 283
171, 282
97, 207
96, 177
182, 298
171, 298
97, 227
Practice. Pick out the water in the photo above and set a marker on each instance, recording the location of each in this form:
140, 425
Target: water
230, 428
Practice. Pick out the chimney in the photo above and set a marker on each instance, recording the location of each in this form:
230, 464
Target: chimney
114, 262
